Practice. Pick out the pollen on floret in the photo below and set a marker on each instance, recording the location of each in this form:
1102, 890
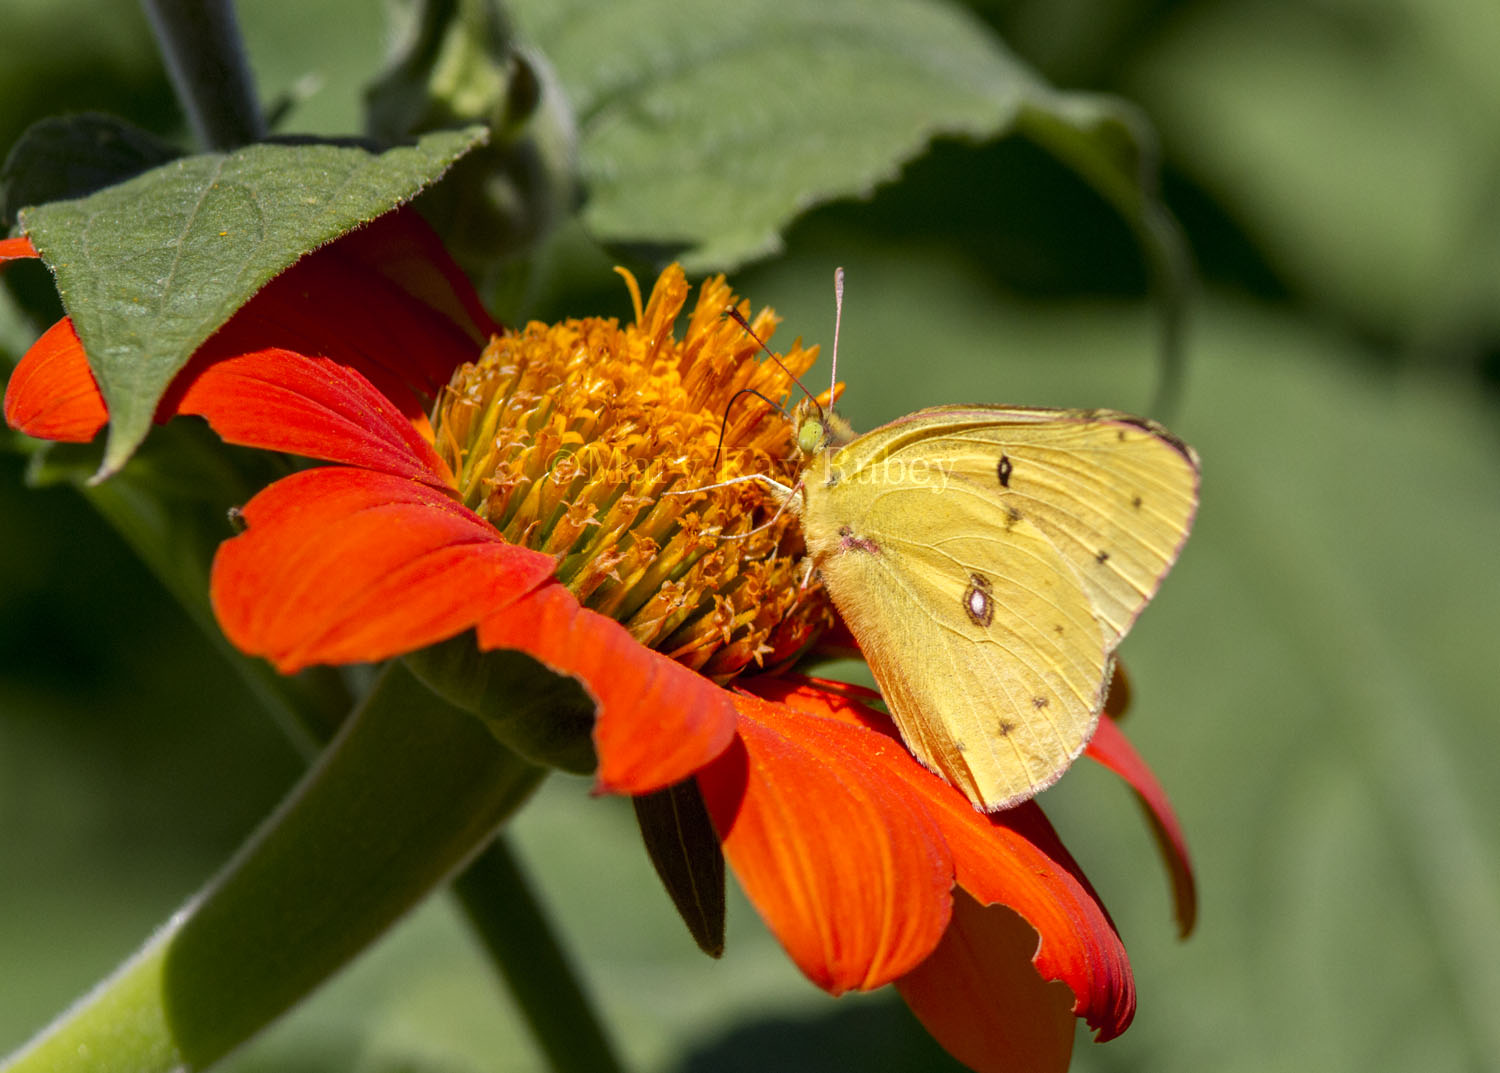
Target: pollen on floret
567, 437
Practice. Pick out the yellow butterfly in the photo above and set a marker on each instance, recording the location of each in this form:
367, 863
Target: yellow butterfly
989, 560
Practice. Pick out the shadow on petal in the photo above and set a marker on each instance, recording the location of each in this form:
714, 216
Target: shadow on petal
983, 1000
850, 872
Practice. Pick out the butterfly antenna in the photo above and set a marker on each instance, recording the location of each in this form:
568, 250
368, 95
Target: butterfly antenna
838, 316
724, 424
738, 318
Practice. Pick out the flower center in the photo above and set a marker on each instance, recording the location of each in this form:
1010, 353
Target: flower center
568, 437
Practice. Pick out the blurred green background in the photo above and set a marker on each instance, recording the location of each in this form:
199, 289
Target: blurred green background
1312, 686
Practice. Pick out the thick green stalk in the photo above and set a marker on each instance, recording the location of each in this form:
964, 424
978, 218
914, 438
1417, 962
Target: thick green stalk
499, 901
404, 795
205, 57
1127, 179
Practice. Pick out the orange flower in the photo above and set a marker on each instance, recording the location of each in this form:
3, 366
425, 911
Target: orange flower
514, 483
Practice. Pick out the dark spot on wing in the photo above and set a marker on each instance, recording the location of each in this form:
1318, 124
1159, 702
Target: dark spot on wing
979, 605
1160, 433
1135, 501
1005, 728
1101, 557
1038, 703
1012, 516
1004, 470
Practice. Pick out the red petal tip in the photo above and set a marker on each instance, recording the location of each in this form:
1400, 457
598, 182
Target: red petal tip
17, 249
1111, 748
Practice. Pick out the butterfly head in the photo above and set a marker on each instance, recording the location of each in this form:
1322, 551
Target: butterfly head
819, 429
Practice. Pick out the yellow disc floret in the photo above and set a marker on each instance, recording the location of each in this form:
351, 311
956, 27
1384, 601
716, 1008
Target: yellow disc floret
569, 437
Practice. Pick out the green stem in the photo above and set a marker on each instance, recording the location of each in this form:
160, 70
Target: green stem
1131, 191
503, 909
205, 57
406, 792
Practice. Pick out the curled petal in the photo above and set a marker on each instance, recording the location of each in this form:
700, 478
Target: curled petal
1111, 748
284, 401
1012, 858
657, 722
348, 566
848, 870
16, 249
1015, 858
52, 394
980, 996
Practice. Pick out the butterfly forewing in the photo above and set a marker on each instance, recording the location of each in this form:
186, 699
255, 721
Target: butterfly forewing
1116, 494
989, 560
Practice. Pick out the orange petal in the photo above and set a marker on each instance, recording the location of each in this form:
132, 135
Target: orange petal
1111, 748
284, 401
349, 566
52, 394
16, 249
847, 868
1012, 858
657, 721
980, 996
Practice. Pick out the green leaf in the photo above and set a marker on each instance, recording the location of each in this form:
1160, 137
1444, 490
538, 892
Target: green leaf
705, 137
150, 268
1111, 145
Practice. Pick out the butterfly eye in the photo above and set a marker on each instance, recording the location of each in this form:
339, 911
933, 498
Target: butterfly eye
978, 603
811, 436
